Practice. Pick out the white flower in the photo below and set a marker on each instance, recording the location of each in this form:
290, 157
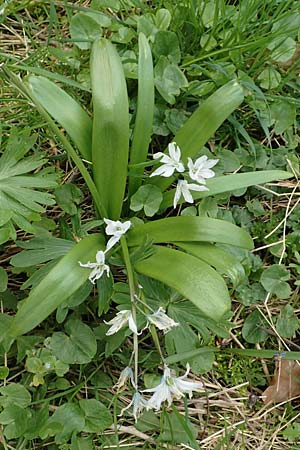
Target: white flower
120, 320
170, 163
200, 169
161, 320
184, 188
116, 229
124, 376
99, 267
171, 387
139, 404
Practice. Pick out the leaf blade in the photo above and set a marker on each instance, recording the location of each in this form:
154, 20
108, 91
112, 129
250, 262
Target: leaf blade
63, 280
69, 114
110, 142
190, 228
193, 278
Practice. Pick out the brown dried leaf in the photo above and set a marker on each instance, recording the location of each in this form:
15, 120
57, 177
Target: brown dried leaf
285, 384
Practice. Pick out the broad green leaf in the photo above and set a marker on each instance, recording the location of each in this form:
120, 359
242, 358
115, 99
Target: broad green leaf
68, 197
274, 280
203, 123
97, 416
189, 228
84, 29
71, 417
144, 116
254, 328
222, 261
110, 126
61, 282
15, 394
40, 250
191, 277
70, 115
169, 79
15, 420
269, 78
228, 183
287, 323
4, 372
166, 44
19, 191
147, 197
178, 431
3, 279
78, 346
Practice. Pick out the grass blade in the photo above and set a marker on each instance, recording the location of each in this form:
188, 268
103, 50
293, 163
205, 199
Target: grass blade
144, 115
110, 126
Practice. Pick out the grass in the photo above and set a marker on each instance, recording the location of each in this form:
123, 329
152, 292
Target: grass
235, 39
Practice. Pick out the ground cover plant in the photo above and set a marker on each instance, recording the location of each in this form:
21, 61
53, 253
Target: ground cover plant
144, 257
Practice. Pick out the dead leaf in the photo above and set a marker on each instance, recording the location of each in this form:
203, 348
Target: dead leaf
285, 384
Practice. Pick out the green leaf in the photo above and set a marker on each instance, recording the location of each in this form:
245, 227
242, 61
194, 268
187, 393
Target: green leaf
97, 416
110, 126
71, 417
16, 420
287, 323
3, 280
166, 44
274, 280
147, 197
19, 192
269, 78
68, 197
40, 250
70, 115
5, 340
220, 259
203, 123
228, 183
61, 282
144, 116
174, 431
15, 394
189, 228
105, 287
191, 277
77, 347
169, 79
292, 432
254, 327
84, 30
4, 372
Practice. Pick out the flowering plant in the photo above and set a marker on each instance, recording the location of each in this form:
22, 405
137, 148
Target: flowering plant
178, 251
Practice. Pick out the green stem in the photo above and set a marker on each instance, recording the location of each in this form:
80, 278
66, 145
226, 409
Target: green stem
131, 282
70, 150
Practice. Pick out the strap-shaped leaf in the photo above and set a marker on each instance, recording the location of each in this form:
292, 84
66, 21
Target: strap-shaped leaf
110, 126
191, 277
188, 228
204, 122
220, 259
229, 183
66, 111
144, 115
61, 282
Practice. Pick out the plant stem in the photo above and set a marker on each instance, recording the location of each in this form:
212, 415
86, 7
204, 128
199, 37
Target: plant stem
131, 282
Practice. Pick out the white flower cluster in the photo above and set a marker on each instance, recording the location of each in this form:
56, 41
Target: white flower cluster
158, 318
169, 388
198, 171
115, 229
